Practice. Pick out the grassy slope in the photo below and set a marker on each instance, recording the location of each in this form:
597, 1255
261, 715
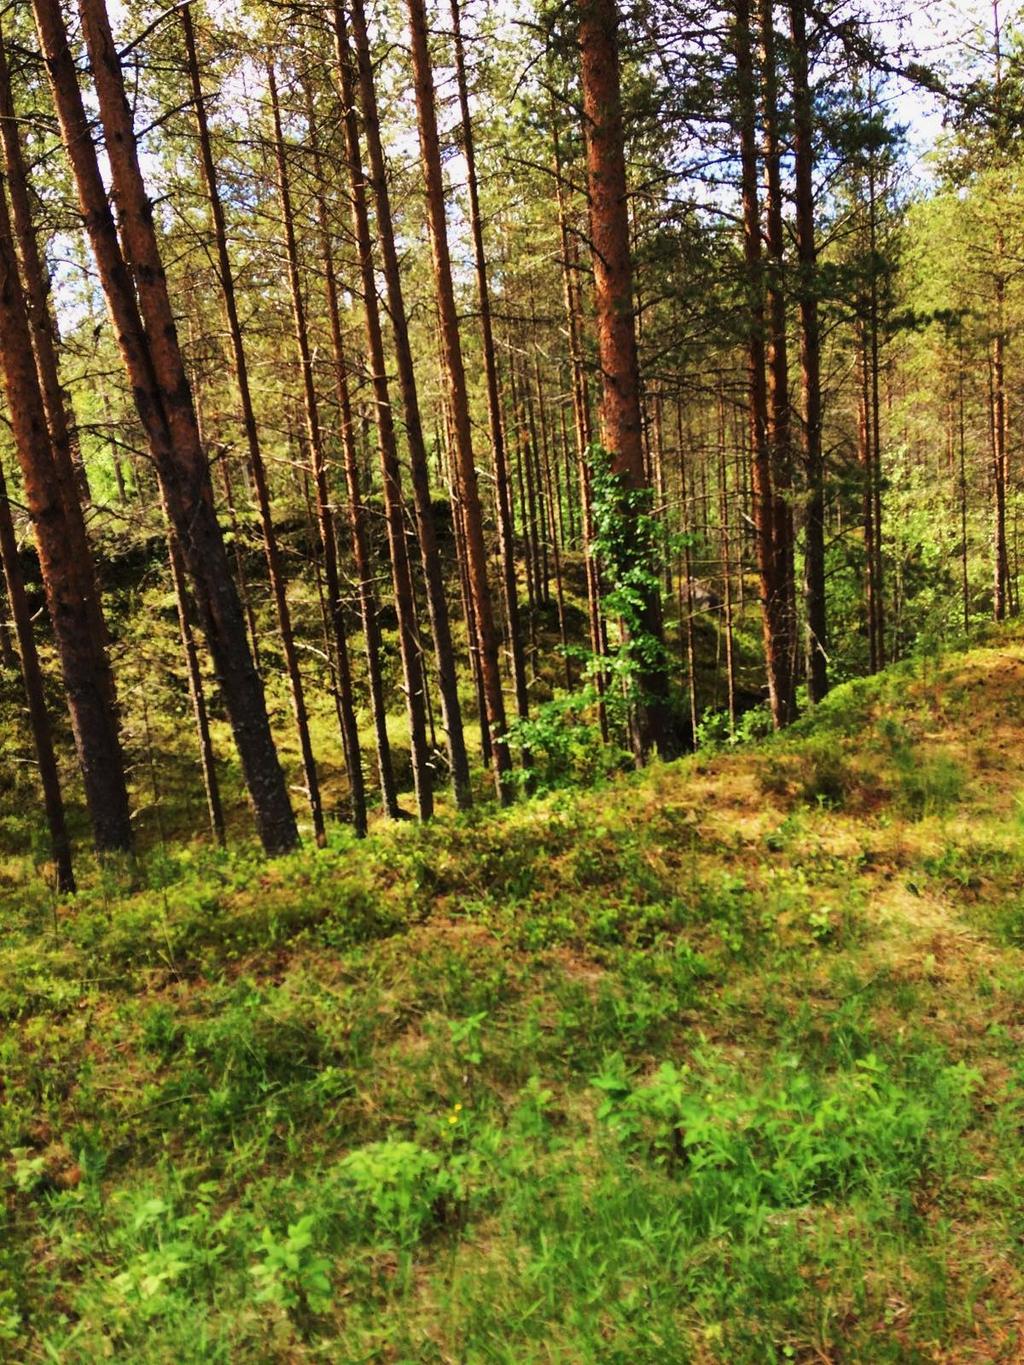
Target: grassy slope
717, 1063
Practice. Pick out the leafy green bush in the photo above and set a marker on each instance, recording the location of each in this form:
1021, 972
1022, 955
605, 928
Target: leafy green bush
398, 1188
561, 746
715, 732
293, 1273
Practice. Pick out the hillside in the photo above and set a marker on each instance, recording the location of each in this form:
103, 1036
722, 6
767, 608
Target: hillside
718, 1062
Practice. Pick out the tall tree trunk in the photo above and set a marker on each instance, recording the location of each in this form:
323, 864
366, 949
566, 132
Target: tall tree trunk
962, 482
760, 469
656, 459
275, 569
567, 506
32, 677
476, 551
865, 456
325, 512
621, 418
67, 576
152, 357
8, 655
726, 540
361, 552
875, 461
223, 459
1000, 559
401, 568
686, 598
197, 698
506, 541
779, 425
810, 357
582, 423
535, 490
42, 323
517, 424
551, 502
437, 606
473, 640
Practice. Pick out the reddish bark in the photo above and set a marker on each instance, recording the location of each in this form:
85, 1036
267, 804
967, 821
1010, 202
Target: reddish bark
779, 433
621, 416
506, 539
325, 511
32, 677
65, 567
275, 568
810, 356
391, 474
762, 494
356, 510
437, 607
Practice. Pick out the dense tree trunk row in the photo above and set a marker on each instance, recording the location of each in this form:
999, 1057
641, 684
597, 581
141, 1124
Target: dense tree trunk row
615, 546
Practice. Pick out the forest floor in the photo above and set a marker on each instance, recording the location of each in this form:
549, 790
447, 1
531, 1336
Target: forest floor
717, 1062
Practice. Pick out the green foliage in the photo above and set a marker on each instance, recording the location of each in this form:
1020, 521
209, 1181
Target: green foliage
826, 777
399, 1188
292, 1273
714, 732
560, 744
791, 1142
629, 545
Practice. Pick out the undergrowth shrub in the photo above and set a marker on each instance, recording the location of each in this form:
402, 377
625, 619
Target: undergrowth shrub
794, 1140
715, 732
844, 712
294, 1272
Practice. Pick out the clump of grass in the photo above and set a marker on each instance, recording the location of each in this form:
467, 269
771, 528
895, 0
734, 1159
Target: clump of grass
793, 1139
927, 783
